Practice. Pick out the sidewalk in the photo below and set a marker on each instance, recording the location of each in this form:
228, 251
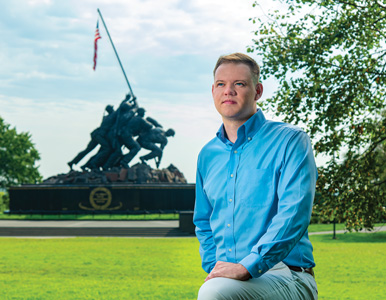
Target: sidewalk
89, 223
76, 228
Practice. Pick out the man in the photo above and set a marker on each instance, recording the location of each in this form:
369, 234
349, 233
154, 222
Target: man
149, 139
254, 193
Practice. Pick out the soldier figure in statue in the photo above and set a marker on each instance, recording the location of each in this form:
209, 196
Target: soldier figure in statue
100, 159
131, 129
100, 135
149, 139
113, 136
97, 136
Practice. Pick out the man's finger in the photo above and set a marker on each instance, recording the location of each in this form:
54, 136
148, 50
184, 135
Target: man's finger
210, 276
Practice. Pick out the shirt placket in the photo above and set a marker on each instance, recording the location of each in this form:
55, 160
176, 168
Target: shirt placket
230, 245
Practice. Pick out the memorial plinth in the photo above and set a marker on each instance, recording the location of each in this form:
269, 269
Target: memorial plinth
113, 198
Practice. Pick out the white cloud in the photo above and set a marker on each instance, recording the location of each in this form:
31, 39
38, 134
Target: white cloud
37, 2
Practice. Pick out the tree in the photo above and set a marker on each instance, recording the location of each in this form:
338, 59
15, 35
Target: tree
329, 58
380, 163
18, 157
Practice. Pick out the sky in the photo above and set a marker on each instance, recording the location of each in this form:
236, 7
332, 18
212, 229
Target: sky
168, 50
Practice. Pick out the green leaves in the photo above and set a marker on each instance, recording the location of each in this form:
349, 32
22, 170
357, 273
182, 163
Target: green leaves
18, 157
330, 60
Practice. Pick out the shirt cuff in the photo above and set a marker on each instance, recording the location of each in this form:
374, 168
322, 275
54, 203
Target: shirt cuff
255, 265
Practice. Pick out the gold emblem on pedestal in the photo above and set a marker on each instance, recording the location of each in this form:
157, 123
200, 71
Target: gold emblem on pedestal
100, 198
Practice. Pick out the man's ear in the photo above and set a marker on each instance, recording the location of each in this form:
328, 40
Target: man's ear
259, 91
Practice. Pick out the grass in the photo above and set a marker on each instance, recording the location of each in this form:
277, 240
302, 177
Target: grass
324, 227
351, 267
99, 268
2, 204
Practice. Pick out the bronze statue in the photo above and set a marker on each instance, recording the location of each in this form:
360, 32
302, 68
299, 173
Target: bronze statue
118, 129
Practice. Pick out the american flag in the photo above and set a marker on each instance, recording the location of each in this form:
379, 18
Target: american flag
97, 37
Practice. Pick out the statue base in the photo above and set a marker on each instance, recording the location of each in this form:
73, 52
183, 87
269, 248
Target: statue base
136, 190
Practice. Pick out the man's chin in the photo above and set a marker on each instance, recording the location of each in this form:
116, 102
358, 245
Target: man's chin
235, 117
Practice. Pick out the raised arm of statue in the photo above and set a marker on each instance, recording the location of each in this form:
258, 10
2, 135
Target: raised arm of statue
154, 122
130, 99
134, 102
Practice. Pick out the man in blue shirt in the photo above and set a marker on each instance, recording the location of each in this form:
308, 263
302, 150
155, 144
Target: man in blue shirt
254, 192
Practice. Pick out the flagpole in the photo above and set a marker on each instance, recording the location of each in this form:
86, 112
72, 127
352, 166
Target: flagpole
116, 53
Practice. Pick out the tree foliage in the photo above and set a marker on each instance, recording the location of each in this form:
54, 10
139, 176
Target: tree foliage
329, 57
380, 163
18, 157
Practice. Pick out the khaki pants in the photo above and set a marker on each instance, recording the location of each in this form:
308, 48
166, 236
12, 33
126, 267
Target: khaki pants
278, 283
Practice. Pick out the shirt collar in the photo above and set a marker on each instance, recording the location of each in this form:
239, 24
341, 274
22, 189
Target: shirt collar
245, 131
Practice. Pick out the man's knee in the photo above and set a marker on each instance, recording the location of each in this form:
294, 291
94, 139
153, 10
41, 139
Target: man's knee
216, 289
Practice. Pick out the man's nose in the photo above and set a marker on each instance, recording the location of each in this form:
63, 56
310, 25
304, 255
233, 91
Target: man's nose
230, 90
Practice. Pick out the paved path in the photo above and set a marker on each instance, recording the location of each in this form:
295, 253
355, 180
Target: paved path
89, 223
38, 228
159, 228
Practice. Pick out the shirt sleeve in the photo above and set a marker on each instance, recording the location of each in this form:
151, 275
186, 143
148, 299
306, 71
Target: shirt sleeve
202, 212
295, 191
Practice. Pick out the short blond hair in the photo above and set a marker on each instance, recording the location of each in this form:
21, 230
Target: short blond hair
240, 58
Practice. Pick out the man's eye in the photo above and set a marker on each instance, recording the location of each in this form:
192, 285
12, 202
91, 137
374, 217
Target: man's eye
220, 84
240, 84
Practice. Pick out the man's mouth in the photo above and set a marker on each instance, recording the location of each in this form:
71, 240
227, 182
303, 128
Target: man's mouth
229, 101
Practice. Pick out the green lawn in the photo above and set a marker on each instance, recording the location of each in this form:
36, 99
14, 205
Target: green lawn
99, 268
351, 267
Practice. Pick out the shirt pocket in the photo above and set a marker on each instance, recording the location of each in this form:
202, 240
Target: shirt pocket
255, 188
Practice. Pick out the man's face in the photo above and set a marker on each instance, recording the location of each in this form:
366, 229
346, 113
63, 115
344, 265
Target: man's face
234, 92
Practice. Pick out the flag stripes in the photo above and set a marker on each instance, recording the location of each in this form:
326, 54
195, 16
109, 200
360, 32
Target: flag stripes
96, 38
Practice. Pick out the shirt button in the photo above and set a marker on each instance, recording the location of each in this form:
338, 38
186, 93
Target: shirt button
230, 250
235, 151
260, 271
230, 200
229, 225
231, 175
249, 138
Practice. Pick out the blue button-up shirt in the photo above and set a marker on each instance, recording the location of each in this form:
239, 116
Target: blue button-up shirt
254, 197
